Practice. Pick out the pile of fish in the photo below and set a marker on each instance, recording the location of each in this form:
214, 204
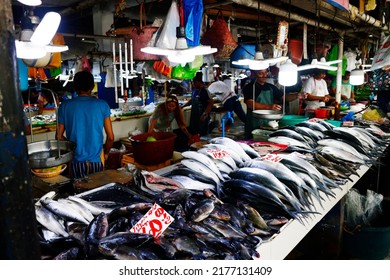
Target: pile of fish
204, 227
225, 198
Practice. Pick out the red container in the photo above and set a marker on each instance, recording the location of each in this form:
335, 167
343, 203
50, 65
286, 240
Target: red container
321, 113
151, 153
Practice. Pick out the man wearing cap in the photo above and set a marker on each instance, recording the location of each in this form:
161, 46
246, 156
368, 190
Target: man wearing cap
316, 90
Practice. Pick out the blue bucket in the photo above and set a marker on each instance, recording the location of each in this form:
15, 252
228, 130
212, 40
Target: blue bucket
243, 51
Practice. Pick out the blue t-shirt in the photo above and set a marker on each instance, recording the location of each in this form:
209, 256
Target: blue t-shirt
83, 118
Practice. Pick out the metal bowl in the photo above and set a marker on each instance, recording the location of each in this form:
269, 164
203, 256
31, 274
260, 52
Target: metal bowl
45, 154
268, 114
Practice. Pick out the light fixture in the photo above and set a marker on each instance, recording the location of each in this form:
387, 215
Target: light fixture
357, 77
35, 44
259, 62
181, 54
288, 73
322, 64
31, 2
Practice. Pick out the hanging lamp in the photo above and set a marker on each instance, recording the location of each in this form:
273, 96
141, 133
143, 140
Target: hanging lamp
35, 44
181, 53
322, 63
31, 2
356, 77
258, 62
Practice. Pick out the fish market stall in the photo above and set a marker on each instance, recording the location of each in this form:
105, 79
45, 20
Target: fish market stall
222, 201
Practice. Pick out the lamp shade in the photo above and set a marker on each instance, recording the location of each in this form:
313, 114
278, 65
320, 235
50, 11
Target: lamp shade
357, 77
288, 73
31, 2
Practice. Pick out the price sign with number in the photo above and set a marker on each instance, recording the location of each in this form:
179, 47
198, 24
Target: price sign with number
272, 157
217, 153
154, 222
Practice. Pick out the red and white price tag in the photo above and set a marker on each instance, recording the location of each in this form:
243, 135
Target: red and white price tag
272, 157
154, 222
218, 153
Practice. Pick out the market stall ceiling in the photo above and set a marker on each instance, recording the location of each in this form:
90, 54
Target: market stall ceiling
252, 17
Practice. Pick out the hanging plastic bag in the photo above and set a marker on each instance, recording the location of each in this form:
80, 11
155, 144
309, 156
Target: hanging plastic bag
333, 55
167, 37
193, 12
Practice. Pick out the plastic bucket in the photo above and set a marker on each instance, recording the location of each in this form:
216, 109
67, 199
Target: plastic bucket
296, 48
151, 153
321, 113
369, 243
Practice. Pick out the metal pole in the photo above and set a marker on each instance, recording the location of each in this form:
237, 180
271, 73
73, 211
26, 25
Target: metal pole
18, 234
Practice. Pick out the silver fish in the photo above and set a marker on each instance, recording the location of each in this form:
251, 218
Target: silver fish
49, 221
343, 146
232, 145
207, 161
199, 167
225, 159
248, 149
84, 211
225, 149
64, 211
93, 208
288, 141
192, 184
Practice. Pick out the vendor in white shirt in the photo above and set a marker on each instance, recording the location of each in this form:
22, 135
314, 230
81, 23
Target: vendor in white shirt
316, 90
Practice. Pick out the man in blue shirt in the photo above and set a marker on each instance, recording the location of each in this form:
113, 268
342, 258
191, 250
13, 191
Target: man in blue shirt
83, 119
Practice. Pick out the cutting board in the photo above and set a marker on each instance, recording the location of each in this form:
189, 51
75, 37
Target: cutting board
99, 179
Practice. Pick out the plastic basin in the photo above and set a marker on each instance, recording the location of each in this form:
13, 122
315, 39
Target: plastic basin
290, 120
321, 113
151, 153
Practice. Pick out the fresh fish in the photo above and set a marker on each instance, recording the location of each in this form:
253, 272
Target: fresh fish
279, 170
225, 150
301, 164
255, 193
327, 125
308, 132
312, 125
290, 134
202, 210
224, 228
49, 194
191, 173
93, 208
225, 158
191, 184
343, 146
80, 208
153, 183
255, 217
248, 150
205, 160
49, 221
228, 142
341, 154
176, 197
262, 176
201, 168
223, 167
63, 210
288, 141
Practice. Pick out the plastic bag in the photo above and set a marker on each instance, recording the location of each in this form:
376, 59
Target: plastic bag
167, 38
193, 12
360, 209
